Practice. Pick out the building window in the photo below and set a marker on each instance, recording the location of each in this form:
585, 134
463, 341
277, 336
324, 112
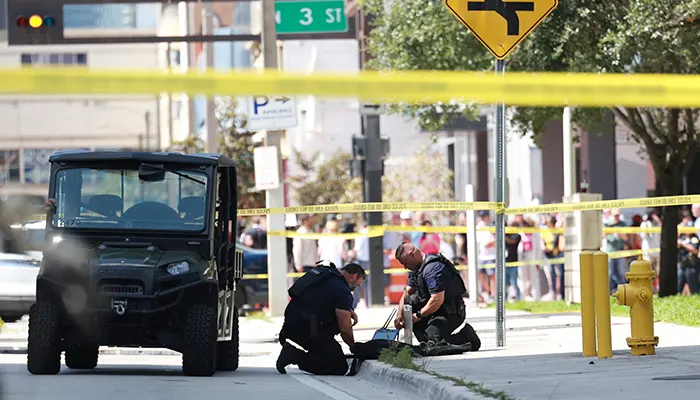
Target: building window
31, 59
174, 58
242, 13
9, 166
176, 108
37, 169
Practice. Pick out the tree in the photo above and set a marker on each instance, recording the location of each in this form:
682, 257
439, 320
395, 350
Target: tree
624, 36
329, 182
324, 181
425, 178
235, 142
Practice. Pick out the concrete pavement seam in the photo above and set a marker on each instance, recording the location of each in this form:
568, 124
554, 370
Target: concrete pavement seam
421, 384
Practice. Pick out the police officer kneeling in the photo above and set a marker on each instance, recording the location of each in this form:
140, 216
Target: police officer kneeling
435, 291
321, 307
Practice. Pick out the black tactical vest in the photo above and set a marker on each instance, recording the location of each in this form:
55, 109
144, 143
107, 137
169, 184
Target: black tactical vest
312, 278
455, 288
319, 314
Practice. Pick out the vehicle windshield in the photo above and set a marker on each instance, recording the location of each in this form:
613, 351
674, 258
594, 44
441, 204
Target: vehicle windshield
118, 199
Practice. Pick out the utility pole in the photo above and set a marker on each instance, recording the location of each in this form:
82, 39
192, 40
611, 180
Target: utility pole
212, 142
276, 245
373, 171
373, 193
147, 123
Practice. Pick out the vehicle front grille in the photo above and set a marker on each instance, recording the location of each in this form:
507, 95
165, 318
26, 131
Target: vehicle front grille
121, 289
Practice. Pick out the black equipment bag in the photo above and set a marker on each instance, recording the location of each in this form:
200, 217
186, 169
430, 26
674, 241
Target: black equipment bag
384, 338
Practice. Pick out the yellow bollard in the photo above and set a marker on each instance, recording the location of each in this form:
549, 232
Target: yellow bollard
587, 304
601, 287
638, 296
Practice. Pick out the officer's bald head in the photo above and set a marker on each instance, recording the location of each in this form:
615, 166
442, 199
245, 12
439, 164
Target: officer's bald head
409, 256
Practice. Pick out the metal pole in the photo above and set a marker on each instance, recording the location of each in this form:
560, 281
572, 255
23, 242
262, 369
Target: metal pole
373, 193
569, 154
276, 245
500, 143
472, 248
212, 142
147, 123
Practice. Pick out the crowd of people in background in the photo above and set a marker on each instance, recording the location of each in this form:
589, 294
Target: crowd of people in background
539, 275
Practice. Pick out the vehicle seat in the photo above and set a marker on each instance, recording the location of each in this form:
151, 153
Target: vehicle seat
106, 204
193, 207
151, 211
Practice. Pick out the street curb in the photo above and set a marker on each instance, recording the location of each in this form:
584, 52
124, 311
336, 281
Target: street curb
129, 352
418, 384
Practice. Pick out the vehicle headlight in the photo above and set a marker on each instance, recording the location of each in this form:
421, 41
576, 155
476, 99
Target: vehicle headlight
178, 268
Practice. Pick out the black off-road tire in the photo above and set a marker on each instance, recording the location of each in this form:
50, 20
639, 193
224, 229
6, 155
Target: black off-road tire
44, 343
199, 337
227, 352
82, 357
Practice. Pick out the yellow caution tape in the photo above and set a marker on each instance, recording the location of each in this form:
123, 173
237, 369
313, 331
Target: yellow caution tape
646, 202
376, 231
373, 207
512, 264
515, 88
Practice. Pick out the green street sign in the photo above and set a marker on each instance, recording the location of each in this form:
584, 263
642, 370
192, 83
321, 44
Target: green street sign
311, 16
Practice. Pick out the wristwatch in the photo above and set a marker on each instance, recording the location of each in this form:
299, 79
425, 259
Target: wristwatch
418, 315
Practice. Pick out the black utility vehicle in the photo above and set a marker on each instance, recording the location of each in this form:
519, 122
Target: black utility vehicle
139, 254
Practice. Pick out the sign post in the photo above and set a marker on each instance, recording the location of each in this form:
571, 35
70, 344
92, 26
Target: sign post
501, 26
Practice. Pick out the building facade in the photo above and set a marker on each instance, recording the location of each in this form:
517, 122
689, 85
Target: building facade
34, 127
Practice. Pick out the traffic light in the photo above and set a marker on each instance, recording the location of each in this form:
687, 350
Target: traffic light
36, 22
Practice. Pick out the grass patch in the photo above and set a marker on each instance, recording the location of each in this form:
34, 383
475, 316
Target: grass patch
681, 310
403, 358
258, 315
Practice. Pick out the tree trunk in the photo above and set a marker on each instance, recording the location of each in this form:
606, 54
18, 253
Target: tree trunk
668, 276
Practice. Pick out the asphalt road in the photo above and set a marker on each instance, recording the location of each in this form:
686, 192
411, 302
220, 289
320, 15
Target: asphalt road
159, 377
123, 373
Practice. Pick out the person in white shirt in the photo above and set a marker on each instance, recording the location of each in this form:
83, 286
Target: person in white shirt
486, 241
331, 247
305, 251
651, 242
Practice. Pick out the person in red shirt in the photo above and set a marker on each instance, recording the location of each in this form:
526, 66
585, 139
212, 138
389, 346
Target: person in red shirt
429, 243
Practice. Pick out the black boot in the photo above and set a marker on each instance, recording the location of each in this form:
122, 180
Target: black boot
288, 355
470, 336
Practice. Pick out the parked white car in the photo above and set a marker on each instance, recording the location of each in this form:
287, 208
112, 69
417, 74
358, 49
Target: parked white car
18, 273
17, 285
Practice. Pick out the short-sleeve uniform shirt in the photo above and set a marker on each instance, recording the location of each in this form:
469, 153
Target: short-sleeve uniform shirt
437, 277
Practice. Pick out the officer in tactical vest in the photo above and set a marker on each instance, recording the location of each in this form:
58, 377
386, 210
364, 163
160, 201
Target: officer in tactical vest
321, 307
435, 291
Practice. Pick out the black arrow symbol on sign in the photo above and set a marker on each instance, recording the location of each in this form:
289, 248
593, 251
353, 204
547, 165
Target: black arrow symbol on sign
282, 99
507, 10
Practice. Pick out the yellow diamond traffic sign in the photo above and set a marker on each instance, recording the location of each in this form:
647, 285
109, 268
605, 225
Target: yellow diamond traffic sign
501, 25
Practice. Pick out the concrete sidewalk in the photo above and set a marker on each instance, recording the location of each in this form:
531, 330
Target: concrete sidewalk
544, 361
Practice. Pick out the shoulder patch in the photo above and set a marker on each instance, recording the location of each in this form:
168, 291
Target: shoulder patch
431, 281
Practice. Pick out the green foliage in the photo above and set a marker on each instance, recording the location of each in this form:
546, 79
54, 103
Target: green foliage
324, 181
237, 143
420, 35
427, 170
599, 36
640, 36
680, 310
